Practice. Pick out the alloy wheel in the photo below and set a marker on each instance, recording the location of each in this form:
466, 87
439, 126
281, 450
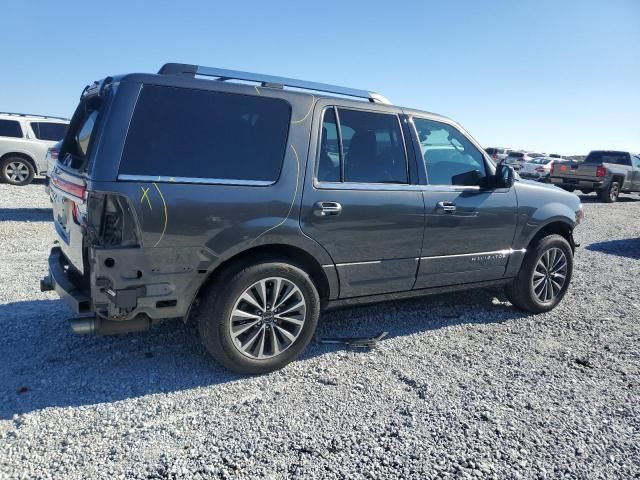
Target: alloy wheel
550, 275
267, 318
16, 171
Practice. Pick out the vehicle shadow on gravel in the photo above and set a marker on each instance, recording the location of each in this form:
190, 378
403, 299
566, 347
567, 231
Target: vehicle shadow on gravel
627, 247
592, 198
25, 215
45, 365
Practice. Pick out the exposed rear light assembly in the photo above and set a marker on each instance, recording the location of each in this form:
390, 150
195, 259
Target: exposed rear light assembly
111, 222
601, 171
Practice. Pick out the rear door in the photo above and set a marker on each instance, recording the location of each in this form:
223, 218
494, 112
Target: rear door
361, 201
469, 230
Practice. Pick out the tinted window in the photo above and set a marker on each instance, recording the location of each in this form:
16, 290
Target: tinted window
178, 132
49, 131
491, 151
329, 155
636, 160
516, 154
372, 147
619, 158
10, 128
449, 157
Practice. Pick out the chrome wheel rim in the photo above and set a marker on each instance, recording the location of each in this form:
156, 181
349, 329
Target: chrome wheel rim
16, 171
267, 318
614, 192
550, 275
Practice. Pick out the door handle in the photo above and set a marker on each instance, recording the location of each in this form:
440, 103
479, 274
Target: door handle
447, 207
324, 209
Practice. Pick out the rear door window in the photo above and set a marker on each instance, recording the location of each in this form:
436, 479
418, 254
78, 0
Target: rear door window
366, 147
10, 128
49, 131
199, 134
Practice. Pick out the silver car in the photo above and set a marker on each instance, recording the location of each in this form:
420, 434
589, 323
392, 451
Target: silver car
24, 141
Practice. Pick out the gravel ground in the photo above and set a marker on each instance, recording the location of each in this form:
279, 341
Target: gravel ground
464, 387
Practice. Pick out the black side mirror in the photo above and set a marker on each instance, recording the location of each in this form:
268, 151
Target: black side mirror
504, 176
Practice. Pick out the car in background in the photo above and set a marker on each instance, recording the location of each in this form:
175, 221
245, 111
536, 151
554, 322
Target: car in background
497, 153
516, 159
538, 168
556, 155
51, 158
606, 172
24, 141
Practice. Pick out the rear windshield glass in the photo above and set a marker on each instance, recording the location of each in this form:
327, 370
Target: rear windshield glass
49, 131
619, 158
179, 132
74, 151
516, 154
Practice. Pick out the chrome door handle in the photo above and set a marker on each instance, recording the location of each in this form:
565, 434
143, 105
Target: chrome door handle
447, 207
324, 209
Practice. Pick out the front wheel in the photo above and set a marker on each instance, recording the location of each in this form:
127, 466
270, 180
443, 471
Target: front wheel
16, 171
544, 275
256, 319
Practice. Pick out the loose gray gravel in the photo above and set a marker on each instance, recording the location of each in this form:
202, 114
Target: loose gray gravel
465, 386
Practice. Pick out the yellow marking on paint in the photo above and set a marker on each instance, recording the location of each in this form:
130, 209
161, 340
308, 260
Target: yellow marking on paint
166, 216
145, 196
293, 201
308, 113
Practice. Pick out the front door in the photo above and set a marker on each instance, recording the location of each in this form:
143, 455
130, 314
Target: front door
359, 202
469, 230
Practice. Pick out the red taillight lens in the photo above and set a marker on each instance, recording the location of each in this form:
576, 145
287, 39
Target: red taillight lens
601, 171
54, 154
71, 188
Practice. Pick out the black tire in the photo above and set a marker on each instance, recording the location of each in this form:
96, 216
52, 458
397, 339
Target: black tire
214, 312
611, 193
16, 171
521, 292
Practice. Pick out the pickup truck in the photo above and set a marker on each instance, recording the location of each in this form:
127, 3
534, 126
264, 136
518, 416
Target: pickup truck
606, 172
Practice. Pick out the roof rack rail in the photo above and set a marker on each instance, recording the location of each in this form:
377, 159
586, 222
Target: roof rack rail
33, 115
268, 80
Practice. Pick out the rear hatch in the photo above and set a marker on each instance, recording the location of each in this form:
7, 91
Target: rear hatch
68, 185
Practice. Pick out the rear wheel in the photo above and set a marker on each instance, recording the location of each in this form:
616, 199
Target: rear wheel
544, 276
257, 319
611, 193
16, 171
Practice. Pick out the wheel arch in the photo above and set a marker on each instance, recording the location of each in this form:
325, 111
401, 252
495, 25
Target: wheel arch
23, 155
276, 251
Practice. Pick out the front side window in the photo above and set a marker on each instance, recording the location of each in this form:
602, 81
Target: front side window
49, 131
362, 147
449, 156
10, 128
180, 132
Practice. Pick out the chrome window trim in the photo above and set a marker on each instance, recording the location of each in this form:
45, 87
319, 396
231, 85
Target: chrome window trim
193, 180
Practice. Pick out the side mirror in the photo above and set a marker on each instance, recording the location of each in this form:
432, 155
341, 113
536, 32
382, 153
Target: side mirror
504, 176
470, 178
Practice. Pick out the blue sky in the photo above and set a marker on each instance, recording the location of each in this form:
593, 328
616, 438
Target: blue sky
557, 76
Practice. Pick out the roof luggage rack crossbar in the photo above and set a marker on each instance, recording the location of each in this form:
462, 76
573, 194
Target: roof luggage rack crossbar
268, 80
33, 115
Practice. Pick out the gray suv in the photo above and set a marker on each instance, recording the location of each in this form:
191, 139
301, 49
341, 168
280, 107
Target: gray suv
251, 208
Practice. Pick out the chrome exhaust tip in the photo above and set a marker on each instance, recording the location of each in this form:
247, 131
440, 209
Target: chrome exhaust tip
83, 325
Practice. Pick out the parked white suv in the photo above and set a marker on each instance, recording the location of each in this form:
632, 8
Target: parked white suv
24, 141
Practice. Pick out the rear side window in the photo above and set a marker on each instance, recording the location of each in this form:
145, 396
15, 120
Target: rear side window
178, 132
367, 147
49, 131
10, 128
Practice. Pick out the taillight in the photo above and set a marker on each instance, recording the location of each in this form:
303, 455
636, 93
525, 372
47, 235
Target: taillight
54, 154
540, 169
78, 191
601, 171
